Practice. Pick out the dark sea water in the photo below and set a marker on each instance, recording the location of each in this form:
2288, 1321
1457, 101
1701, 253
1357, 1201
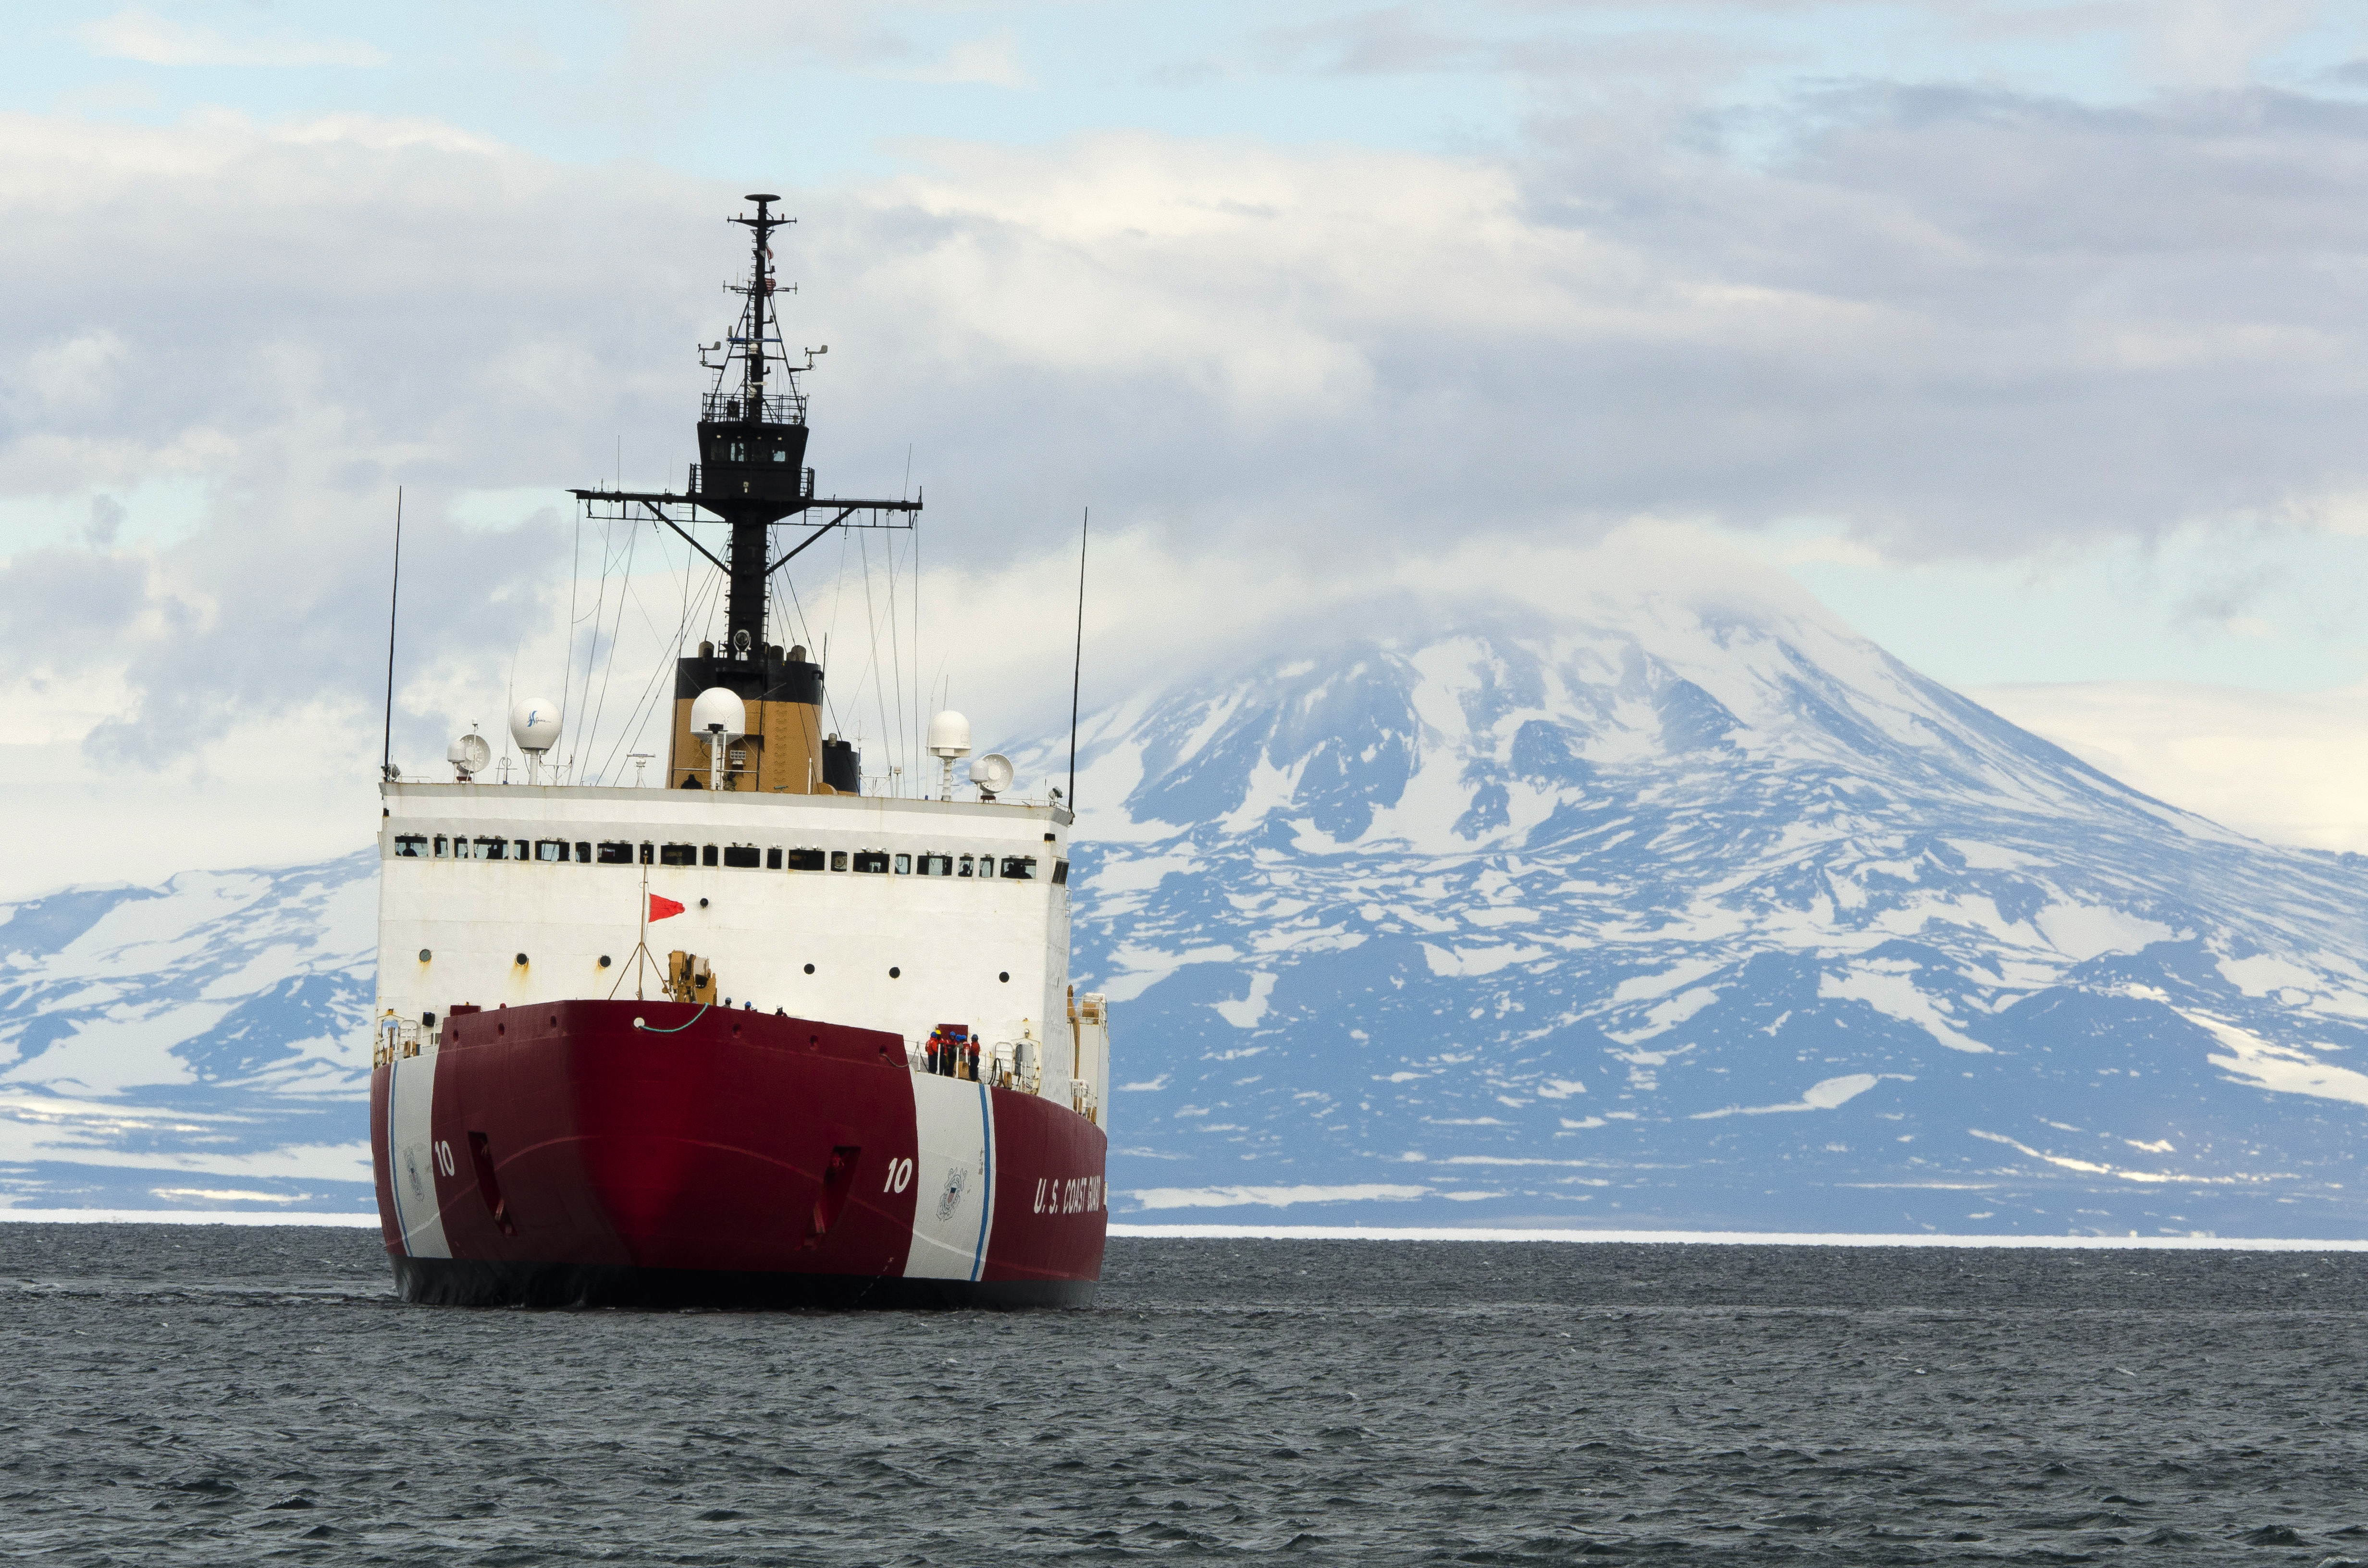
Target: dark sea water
199, 1395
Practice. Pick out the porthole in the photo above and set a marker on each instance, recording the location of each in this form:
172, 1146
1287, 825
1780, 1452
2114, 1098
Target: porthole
604, 961
1005, 977
425, 955
809, 969
521, 957
703, 904
894, 974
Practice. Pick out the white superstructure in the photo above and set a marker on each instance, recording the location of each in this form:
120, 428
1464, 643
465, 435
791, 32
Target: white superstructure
880, 912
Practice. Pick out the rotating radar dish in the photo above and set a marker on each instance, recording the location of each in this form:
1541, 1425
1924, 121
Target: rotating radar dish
993, 773
470, 754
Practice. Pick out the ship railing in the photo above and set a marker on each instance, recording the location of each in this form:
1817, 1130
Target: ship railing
398, 1038
691, 484
735, 407
1005, 1065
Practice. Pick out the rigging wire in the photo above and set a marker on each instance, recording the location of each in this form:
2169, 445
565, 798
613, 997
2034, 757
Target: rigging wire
838, 597
896, 662
920, 740
636, 723
653, 693
574, 581
871, 671
583, 744
805, 631
617, 635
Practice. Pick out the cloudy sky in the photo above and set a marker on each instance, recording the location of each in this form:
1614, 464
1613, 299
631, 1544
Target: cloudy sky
2027, 337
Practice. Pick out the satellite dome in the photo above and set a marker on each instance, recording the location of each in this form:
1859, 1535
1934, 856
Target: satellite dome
718, 705
949, 735
534, 725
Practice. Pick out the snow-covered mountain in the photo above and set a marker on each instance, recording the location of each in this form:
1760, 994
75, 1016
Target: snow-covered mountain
1699, 916
1673, 913
203, 1044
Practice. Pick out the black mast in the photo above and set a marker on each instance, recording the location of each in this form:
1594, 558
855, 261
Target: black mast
757, 429
752, 448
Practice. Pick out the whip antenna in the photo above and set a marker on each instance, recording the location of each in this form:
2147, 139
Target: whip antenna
394, 597
1076, 670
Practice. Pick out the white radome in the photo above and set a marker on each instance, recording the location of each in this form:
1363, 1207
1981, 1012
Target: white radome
949, 735
534, 723
715, 705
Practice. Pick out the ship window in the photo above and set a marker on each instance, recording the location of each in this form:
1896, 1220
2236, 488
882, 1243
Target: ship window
986, 865
411, 845
741, 854
646, 851
934, 865
443, 847
583, 853
707, 855
1022, 866
518, 850
872, 860
838, 859
780, 454
965, 867
677, 854
772, 859
492, 849
1060, 873
550, 849
736, 451
904, 865
805, 859
616, 855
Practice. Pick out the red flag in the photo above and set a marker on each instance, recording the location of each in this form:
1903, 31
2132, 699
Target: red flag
662, 908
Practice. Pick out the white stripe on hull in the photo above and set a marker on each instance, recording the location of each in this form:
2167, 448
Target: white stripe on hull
953, 1211
411, 1156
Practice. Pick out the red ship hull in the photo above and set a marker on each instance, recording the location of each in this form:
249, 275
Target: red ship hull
659, 1153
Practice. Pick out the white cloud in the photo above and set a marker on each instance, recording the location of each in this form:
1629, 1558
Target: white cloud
141, 35
1283, 375
2282, 767
991, 61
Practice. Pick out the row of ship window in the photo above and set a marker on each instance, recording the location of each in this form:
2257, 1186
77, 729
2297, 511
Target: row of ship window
746, 857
